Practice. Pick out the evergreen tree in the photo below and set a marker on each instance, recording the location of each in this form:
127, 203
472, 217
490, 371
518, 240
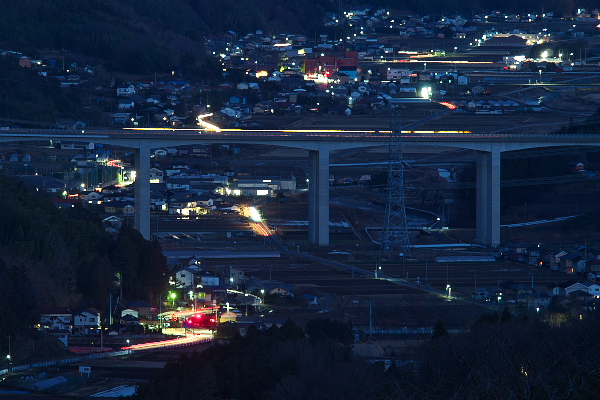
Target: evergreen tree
439, 330
506, 315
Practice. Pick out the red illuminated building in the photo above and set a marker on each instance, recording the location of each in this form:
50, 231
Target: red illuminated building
329, 64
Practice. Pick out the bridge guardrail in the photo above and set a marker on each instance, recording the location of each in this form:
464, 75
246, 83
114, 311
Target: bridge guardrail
301, 134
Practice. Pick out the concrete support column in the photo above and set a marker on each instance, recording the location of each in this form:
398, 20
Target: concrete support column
142, 189
318, 197
488, 198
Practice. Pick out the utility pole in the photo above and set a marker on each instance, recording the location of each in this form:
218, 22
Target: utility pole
8, 356
370, 318
426, 268
160, 317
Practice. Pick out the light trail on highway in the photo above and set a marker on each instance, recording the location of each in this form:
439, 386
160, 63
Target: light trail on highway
187, 340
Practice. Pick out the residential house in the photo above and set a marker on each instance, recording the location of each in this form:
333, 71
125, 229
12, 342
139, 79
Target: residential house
162, 152
129, 320
61, 334
589, 252
119, 207
552, 259
572, 263
121, 118
278, 288
534, 300
187, 276
205, 201
510, 288
580, 295
266, 287
566, 288
593, 289
210, 295
142, 309
184, 206
235, 276
154, 99
43, 183
515, 251
594, 268
65, 203
112, 224
125, 104
86, 322
111, 189
199, 151
156, 175
253, 191
55, 318
117, 196
126, 89
208, 279
92, 197
129, 311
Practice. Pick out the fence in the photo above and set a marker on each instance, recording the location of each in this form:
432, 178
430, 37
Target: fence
65, 361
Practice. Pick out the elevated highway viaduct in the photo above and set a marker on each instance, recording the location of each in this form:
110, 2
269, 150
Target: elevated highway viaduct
319, 143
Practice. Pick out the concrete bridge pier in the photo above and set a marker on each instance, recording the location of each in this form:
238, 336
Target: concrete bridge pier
142, 189
488, 198
318, 197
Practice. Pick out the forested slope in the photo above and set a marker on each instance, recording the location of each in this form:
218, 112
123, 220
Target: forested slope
64, 258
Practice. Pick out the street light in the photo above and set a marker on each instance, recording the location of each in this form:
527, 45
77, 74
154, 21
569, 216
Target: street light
449, 290
540, 76
191, 293
173, 296
9, 362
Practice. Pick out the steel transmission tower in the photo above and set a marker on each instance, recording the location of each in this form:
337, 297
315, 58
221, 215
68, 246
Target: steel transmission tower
394, 240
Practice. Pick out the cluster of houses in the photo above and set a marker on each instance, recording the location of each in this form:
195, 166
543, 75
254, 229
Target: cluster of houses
583, 261
205, 287
531, 297
180, 190
63, 323
297, 63
366, 19
198, 287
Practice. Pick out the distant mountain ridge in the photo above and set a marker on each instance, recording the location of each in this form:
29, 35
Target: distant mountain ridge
143, 36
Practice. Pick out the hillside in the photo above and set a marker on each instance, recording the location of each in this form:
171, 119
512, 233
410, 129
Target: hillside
142, 37
147, 37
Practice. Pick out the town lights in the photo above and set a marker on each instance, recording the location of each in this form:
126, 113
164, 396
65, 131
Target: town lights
426, 92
